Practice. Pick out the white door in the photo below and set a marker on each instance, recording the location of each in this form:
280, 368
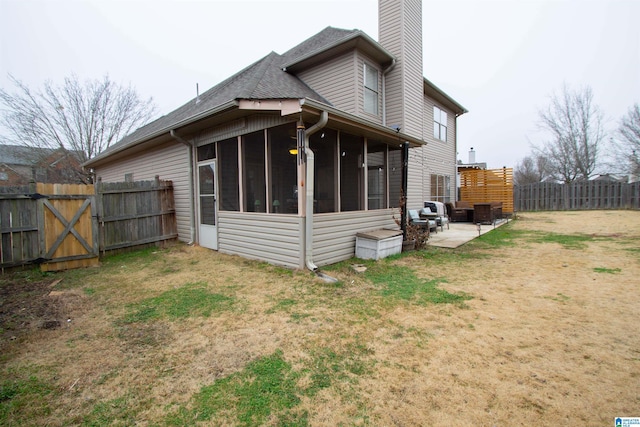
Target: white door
207, 200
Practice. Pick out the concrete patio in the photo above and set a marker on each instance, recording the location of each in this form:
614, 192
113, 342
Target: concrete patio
460, 233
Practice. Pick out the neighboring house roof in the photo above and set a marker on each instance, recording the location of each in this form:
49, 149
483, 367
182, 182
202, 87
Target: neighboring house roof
270, 78
22, 156
608, 177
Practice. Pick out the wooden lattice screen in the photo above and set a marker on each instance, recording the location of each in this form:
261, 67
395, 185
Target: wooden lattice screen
488, 185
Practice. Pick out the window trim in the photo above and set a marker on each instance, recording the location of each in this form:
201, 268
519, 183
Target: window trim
438, 121
367, 89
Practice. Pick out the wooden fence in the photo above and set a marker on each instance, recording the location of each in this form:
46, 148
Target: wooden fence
62, 226
488, 185
546, 196
135, 213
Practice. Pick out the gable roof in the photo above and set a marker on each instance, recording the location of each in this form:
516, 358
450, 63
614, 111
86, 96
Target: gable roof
264, 79
268, 78
331, 42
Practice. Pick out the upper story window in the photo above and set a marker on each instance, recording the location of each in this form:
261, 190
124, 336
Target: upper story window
370, 90
439, 124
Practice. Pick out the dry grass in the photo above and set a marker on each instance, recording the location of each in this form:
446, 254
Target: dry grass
547, 338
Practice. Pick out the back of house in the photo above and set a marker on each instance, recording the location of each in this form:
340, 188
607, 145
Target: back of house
287, 160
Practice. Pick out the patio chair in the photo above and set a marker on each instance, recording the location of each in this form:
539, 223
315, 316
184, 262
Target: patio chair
438, 212
415, 219
425, 214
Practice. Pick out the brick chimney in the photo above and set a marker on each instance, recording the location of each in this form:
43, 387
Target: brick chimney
400, 32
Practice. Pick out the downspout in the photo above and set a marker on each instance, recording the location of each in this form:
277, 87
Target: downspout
310, 174
384, 90
175, 136
405, 189
455, 156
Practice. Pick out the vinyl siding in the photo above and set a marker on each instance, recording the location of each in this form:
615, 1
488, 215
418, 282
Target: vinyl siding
272, 238
441, 155
413, 73
170, 161
390, 37
401, 34
417, 178
362, 60
241, 126
336, 81
334, 234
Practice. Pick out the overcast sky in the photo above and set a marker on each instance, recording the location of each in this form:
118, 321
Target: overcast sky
502, 60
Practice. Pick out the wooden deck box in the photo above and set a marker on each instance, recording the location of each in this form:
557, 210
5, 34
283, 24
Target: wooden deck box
378, 244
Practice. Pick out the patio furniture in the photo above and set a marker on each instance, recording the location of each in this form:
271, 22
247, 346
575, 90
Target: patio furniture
431, 217
461, 211
415, 219
496, 207
487, 213
442, 218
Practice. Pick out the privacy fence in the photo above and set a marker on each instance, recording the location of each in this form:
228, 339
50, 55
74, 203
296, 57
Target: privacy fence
486, 186
545, 196
62, 226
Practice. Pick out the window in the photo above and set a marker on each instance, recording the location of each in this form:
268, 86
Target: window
228, 194
441, 188
351, 173
206, 152
370, 90
439, 124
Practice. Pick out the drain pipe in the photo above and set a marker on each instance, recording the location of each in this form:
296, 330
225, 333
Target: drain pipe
310, 174
192, 218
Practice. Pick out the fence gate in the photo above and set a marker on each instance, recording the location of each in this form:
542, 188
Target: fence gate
68, 217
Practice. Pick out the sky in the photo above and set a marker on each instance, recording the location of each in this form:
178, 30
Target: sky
501, 59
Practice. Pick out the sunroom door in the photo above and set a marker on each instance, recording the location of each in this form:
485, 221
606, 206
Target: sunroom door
207, 218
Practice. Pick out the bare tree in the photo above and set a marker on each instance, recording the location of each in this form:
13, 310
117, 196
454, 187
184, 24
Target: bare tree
531, 169
82, 117
577, 129
626, 147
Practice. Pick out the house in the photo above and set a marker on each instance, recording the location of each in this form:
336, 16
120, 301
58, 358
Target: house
20, 165
288, 159
609, 177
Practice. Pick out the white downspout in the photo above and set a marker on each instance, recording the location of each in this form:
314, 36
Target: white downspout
310, 173
192, 218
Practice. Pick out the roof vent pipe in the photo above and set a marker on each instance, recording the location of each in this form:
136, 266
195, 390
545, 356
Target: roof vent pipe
472, 156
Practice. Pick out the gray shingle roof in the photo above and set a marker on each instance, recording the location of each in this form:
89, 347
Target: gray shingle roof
263, 79
325, 38
23, 156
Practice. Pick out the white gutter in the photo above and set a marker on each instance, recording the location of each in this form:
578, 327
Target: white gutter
310, 173
192, 218
189, 120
